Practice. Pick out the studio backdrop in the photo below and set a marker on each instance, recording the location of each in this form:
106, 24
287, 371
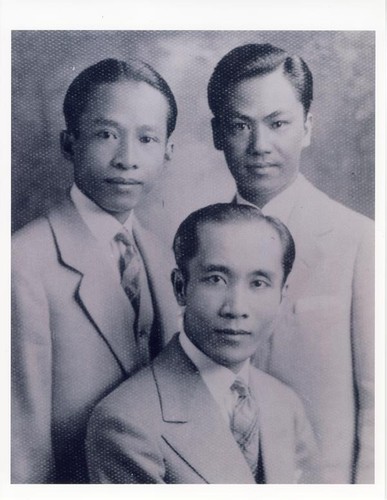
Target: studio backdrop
340, 159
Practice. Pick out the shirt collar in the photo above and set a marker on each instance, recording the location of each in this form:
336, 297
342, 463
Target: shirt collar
218, 378
281, 205
102, 225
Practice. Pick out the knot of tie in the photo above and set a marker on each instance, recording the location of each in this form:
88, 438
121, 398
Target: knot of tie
240, 387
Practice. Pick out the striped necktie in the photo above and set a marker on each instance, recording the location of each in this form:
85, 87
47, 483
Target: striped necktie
130, 268
244, 424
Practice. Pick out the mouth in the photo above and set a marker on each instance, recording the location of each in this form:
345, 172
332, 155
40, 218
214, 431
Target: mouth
121, 181
231, 332
259, 166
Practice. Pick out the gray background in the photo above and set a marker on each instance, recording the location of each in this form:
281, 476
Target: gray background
340, 160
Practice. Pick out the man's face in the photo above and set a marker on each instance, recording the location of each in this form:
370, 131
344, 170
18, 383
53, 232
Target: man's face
233, 290
122, 145
262, 133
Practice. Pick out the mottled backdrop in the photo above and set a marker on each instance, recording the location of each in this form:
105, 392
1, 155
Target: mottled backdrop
340, 159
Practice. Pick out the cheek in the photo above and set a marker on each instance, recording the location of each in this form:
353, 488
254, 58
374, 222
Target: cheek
89, 158
151, 175
291, 146
265, 307
235, 147
203, 305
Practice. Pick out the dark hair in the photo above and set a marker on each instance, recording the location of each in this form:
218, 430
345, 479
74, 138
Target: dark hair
256, 59
186, 241
111, 71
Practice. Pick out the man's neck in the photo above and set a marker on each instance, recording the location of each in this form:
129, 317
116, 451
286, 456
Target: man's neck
257, 199
261, 198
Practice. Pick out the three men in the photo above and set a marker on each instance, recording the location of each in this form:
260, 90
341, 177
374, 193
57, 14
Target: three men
323, 343
200, 413
77, 334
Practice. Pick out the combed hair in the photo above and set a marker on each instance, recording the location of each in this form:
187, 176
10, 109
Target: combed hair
186, 241
111, 71
252, 60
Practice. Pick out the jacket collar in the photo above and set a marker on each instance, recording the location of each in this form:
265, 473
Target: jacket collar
98, 291
193, 424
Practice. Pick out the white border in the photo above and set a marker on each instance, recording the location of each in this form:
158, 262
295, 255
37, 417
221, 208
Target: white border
183, 15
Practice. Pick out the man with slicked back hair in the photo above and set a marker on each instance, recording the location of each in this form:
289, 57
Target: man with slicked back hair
91, 299
323, 343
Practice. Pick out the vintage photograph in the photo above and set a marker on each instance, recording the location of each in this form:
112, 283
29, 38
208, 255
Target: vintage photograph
193, 257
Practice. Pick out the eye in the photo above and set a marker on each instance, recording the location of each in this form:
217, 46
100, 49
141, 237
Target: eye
278, 124
239, 126
106, 134
214, 279
259, 283
148, 139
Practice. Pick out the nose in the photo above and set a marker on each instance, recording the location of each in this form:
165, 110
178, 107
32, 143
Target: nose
125, 154
235, 304
260, 142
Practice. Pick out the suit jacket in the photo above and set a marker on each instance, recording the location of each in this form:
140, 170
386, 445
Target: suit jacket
323, 343
72, 338
163, 426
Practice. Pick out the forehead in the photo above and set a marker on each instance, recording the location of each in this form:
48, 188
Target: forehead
241, 246
266, 92
129, 100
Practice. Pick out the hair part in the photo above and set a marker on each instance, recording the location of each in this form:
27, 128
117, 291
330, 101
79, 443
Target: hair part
186, 242
112, 71
252, 60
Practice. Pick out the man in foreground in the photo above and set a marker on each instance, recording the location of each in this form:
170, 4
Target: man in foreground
200, 413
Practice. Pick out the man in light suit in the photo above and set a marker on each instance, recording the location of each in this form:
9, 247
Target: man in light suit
178, 420
76, 333
323, 342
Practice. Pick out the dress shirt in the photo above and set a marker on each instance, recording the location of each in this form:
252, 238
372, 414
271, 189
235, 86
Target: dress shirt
102, 225
280, 206
217, 378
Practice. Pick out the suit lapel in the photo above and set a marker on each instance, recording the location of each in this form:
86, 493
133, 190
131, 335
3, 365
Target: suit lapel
158, 265
98, 293
274, 428
309, 225
193, 424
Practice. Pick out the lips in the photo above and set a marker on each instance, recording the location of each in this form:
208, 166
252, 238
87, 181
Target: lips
121, 181
262, 165
232, 332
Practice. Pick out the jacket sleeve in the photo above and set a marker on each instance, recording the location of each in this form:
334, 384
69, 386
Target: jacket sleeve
32, 457
363, 355
120, 450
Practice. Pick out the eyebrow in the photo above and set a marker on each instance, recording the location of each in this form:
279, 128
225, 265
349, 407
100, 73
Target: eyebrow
210, 268
105, 121
275, 114
264, 274
229, 117
225, 270
113, 123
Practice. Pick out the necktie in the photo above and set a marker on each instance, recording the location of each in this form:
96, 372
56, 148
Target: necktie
244, 424
130, 267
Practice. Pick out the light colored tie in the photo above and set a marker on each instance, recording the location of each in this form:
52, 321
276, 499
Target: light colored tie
130, 269
244, 424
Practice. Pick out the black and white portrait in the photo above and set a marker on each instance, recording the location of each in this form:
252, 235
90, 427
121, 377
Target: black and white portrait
193, 257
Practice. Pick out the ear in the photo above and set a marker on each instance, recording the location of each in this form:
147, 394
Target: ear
179, 285
67, 144
168, 151
217, 134
308, 130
